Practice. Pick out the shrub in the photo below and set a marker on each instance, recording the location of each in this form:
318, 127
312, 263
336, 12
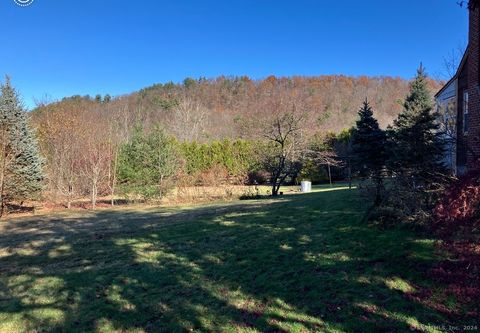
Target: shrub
258, 177
148, 163
386, 215
252, 194
460, 206
235, 159
313, 172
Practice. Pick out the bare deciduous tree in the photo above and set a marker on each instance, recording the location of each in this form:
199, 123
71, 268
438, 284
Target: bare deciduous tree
285, 151
95, 168
188, 119
327, 158
470, 4
451, 62
96, 154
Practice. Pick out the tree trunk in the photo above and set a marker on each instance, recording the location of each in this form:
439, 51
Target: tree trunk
349, 177
69, 196
114, 178
274, 190
112, 196
2, 178
94, 195
378, 191
2, 197
330, 174
2, 207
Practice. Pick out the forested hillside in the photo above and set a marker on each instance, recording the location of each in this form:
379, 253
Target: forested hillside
214, 122
224, 107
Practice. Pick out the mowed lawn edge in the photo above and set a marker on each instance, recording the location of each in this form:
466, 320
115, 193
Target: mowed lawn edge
301, 263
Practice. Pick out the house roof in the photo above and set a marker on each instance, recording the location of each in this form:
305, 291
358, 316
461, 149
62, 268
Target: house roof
462, 63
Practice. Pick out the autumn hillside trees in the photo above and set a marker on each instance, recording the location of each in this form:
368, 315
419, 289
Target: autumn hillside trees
80, 141
225, 107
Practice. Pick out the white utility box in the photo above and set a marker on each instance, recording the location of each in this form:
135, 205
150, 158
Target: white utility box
306, 187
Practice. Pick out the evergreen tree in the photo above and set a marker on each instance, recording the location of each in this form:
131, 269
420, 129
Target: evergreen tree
416, 152
417, 146
147, 163
21, 176
369, 145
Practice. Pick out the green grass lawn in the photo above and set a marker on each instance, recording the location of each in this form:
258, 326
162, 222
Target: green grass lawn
302, 263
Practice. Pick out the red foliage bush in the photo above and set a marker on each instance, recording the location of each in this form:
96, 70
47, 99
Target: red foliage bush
460, 206
457, 222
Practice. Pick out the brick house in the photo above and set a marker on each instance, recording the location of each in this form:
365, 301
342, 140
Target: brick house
459, 104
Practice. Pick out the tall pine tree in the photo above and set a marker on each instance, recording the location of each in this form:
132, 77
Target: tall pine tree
369, 144
21, 174
417, 146
416, 152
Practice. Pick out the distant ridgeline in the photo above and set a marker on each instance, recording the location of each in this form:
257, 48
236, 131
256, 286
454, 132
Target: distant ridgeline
233, 107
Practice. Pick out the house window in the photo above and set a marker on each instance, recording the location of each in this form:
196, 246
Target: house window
465, 112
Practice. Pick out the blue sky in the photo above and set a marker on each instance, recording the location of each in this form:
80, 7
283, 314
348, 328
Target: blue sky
64, 47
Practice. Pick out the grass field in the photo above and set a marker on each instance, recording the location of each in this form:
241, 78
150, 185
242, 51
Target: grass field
302, 263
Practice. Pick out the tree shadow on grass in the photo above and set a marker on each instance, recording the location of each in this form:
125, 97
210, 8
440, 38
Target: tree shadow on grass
301, 263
